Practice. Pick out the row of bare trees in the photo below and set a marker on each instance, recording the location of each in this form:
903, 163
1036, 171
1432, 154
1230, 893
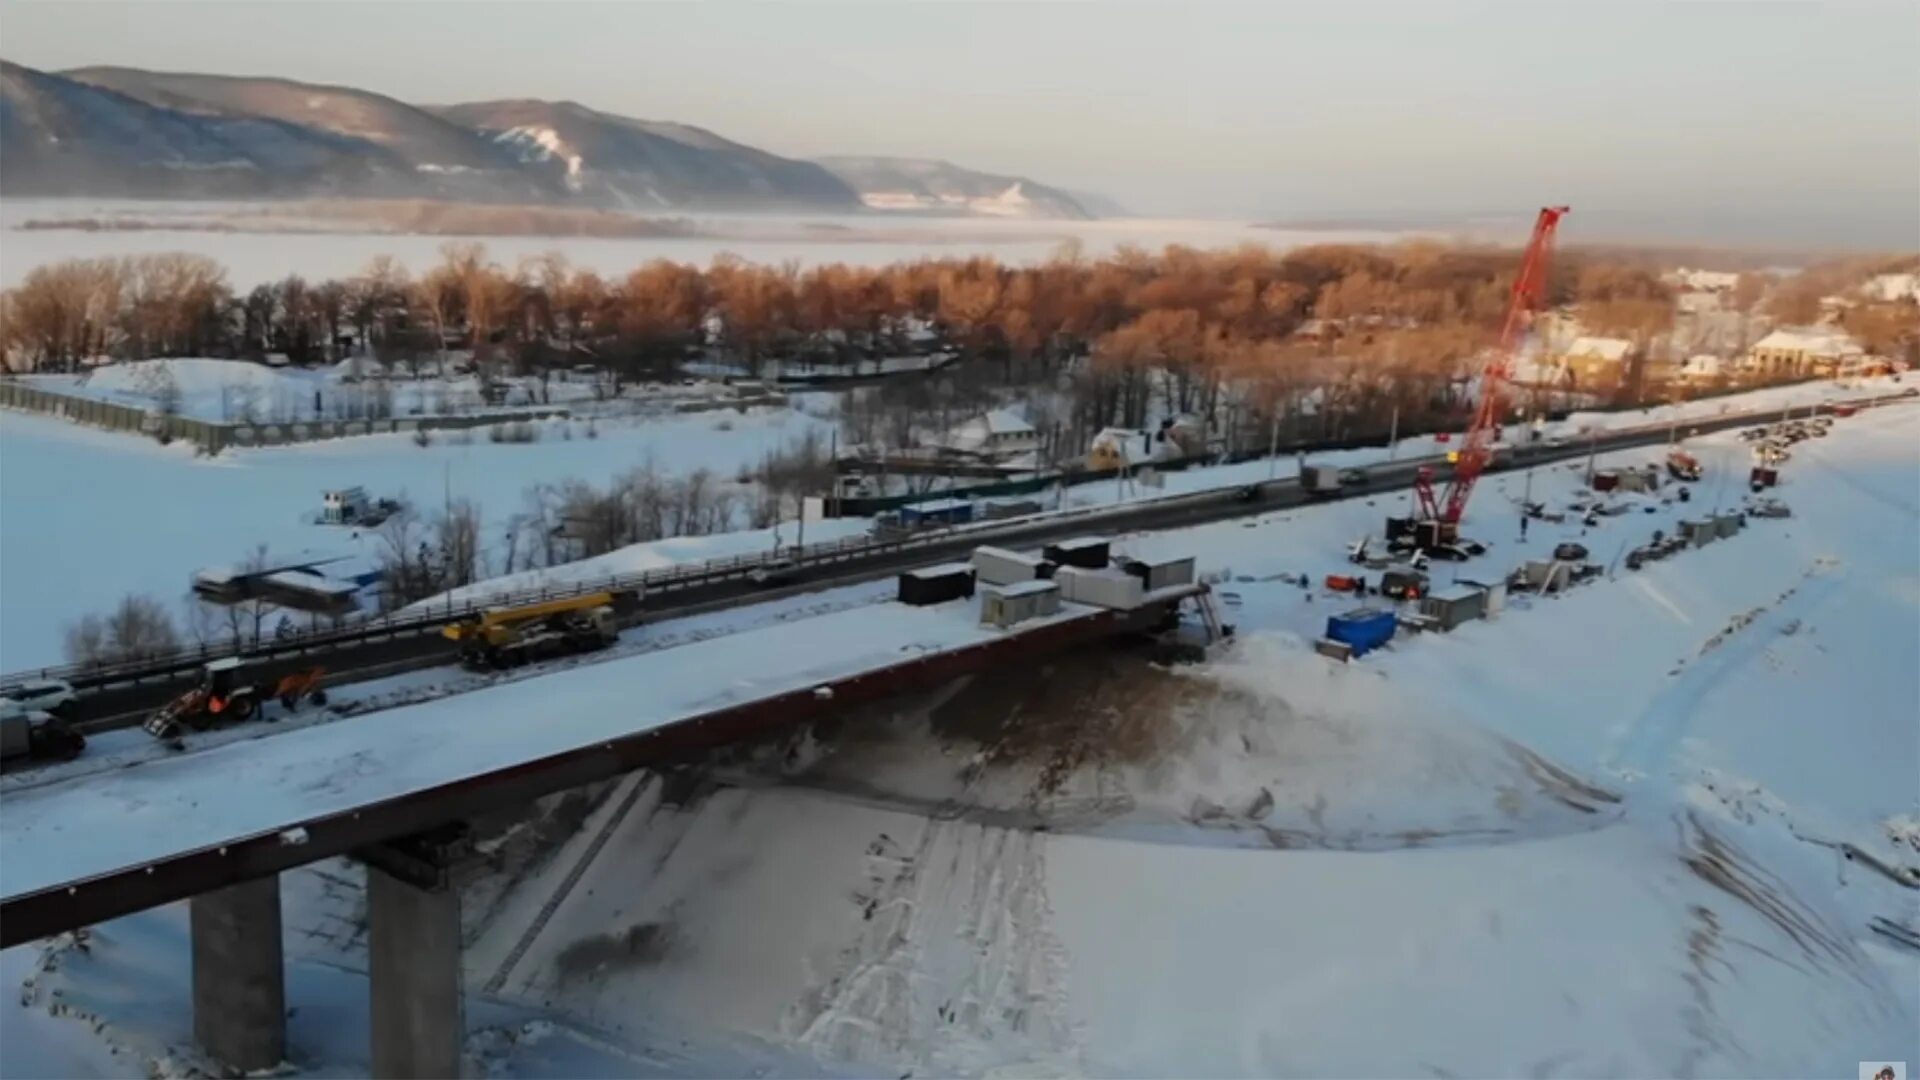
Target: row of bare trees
1190, 330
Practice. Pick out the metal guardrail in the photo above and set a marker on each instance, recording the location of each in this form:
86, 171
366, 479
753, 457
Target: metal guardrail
733, 568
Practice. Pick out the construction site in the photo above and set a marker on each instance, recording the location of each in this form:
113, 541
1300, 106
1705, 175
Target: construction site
887, 807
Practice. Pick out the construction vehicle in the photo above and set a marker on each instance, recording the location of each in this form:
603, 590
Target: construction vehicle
35, 734
509, 636
1320, 481
228, 693
1403, 584
1682, 465
1437, 524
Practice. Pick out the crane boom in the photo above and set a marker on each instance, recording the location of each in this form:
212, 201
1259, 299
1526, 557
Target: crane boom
1529, 289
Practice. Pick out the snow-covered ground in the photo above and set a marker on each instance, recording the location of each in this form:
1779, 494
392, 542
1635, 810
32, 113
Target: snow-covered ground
1605, 833
92, 516
1513, 849
239, 391
658, 555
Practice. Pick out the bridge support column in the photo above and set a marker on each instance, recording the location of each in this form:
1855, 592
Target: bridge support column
413, 925
239, 982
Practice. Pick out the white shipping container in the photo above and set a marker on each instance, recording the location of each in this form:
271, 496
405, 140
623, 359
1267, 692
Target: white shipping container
1100, 588
1006, 605
998, 566
1496, 594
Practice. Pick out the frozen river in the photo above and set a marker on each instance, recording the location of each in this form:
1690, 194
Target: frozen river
871, 240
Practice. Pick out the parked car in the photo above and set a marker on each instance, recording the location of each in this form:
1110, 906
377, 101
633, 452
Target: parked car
774, 572
45, 695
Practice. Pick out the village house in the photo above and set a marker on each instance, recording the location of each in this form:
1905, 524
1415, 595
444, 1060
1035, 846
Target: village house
996, 436
1701, 280
1703, 369
1887, 287
1597, 361
1700, 302
1804, 351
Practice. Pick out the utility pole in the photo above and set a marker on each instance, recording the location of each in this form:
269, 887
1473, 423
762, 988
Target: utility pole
446, 518
1393, 434
1593, 443
1526, 503
1273, 445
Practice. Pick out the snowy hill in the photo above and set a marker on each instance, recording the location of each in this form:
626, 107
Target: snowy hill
927, 186
443, 157
645, 164
62, 136
130, 132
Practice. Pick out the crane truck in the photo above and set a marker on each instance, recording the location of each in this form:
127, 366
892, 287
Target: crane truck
509, 636
1436, 526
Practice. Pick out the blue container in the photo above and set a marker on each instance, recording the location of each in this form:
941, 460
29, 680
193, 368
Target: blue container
937, 512
1364, 629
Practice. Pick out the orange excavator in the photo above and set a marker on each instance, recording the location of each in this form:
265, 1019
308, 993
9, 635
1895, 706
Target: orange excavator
227, 695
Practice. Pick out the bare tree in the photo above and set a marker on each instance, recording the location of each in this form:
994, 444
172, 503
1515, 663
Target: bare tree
137, 629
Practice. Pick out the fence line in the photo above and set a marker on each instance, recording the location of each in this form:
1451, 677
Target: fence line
215, 436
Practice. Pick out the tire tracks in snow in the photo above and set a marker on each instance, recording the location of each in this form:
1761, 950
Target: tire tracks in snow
1655, 733
954, 969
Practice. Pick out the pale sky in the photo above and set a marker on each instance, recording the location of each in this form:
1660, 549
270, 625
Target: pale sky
1786, 123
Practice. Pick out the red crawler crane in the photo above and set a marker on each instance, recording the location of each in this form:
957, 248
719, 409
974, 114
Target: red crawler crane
1471, 459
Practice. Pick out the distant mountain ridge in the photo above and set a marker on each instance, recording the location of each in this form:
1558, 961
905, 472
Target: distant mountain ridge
928, 185
127, 132
648, 165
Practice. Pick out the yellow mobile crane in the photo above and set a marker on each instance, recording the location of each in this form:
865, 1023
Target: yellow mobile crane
507, 636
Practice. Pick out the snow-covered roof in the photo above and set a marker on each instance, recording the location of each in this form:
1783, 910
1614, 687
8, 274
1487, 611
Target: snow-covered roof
1116, 438
1003, 422
313, 583
1706, 280
976, 432
1534, 371
1703, 364
1602, 348
943, 570
934, 506
992, 552
1813, 340
1023, 588
1894, 287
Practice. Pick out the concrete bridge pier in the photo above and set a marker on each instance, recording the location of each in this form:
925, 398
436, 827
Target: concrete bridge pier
239, 982
413, 927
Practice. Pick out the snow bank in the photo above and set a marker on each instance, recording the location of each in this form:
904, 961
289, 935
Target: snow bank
655, 555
